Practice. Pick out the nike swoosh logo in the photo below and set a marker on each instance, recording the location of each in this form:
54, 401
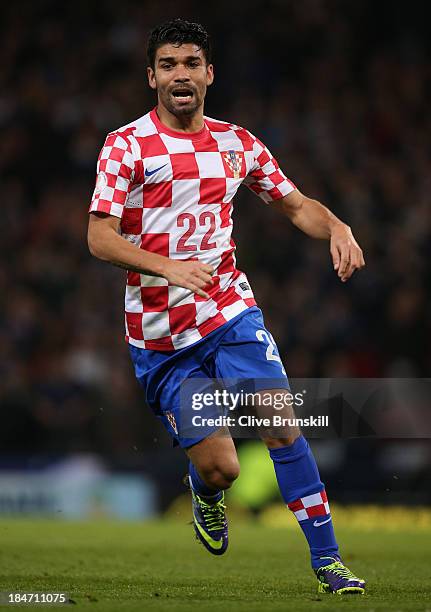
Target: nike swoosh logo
316, 524
151, 172
216, 544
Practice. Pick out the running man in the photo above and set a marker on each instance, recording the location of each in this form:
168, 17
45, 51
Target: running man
162, 209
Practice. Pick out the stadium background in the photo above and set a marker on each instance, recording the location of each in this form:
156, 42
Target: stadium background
339, 91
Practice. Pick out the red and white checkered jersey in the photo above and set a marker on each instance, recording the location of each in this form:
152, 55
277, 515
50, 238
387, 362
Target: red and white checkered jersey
173, 192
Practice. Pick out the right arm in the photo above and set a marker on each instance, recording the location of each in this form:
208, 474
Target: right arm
106, 244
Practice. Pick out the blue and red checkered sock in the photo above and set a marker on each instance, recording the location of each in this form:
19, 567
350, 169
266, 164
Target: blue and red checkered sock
199, 486
300, 486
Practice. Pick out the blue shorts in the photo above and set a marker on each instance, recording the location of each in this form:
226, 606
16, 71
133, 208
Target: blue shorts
242, 349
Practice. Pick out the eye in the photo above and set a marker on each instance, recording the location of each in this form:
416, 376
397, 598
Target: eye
194, 64
166, 66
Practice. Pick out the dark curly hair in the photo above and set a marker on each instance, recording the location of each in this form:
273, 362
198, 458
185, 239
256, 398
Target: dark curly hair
178, 32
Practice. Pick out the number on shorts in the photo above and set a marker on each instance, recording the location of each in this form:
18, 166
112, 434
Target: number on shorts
271, 355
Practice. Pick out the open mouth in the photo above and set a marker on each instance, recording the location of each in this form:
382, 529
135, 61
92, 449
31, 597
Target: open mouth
182, 94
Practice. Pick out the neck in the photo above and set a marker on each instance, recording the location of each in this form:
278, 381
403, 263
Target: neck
184, 123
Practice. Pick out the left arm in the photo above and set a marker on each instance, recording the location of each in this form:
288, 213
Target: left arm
318, 221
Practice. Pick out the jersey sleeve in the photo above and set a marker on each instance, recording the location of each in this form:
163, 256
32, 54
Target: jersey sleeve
115, 173
265, 177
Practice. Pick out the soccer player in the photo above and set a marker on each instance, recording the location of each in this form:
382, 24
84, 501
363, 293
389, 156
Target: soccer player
162, 209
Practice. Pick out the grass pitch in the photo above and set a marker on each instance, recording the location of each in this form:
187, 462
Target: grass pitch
114, 566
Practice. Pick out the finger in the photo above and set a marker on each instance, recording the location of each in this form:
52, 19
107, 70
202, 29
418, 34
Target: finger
196, 279
357, 260
202, 271
207, 268
335, 256
196, 289
344, 262
202, 293
350, 269
354, 263
206, 278
358, 257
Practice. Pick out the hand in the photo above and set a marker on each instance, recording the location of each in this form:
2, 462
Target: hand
346, 253
192, 275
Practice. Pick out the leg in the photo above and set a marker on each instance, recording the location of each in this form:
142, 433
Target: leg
248, 351
213, 467
281, 436
214, 463
304, 493
213, 460
300, 485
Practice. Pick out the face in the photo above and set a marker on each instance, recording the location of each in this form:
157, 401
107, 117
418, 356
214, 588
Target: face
181, 77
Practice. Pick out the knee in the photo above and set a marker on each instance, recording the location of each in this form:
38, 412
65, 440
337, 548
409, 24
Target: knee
280, 442
220, 475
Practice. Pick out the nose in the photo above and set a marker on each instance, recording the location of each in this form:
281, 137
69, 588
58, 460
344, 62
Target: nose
181, 74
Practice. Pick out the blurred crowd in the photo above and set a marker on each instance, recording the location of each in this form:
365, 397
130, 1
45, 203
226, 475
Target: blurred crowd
339, 91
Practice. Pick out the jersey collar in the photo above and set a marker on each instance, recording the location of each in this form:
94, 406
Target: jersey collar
161, 127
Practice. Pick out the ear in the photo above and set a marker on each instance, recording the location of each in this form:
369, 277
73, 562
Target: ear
210, 74
151, 78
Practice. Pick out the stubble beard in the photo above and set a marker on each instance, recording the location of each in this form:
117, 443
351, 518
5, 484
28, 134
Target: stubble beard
186, 110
